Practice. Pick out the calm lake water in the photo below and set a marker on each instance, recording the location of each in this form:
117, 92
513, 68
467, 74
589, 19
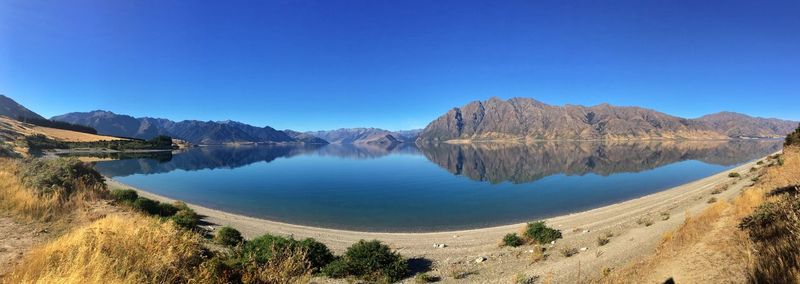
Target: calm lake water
428, 188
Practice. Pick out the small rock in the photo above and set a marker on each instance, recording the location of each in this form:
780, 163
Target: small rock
530, 251
584, 249
480, 259
553, 242
585, 231
439, 245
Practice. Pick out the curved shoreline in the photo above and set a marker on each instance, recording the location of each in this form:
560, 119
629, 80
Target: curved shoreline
252, 226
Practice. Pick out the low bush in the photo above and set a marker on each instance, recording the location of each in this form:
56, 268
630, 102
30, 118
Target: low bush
734, 175
186, 218
147, 205
540, 233
512, 240
568, 251
62, 176
425, 278
263, 249
711, 200
228, 236
368, 260
602, 240
127, 196
646, 221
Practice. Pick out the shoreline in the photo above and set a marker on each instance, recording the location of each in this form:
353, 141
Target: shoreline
631, 240
236, 217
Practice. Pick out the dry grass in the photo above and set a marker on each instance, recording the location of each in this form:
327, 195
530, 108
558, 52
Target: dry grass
116, 249
19, 129
16, 198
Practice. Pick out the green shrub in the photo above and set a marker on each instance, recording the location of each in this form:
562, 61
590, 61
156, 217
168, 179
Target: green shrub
539, 232
147, 205
734, 175
368, 260
59, 176
186, 218
228, 236
512, 240
124, 195
264, 248
167, 210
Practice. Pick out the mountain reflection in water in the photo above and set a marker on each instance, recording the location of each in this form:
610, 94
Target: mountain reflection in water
491, 162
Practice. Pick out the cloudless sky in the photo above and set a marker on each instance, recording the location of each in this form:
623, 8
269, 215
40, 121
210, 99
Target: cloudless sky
311, 65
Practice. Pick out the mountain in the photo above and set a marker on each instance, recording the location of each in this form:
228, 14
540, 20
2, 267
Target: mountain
364, 136
528, 119
738, 125
12, 109
305, 137
193, 131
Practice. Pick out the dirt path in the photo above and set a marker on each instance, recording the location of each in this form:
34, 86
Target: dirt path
16, 238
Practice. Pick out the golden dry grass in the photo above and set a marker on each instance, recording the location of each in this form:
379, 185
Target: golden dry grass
115, 249
24, 129
16, 198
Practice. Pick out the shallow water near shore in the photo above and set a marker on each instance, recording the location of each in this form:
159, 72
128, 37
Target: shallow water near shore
409, 188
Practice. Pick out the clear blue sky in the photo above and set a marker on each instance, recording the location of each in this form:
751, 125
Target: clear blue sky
396, 64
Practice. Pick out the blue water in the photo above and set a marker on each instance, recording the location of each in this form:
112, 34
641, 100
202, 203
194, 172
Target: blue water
429, 188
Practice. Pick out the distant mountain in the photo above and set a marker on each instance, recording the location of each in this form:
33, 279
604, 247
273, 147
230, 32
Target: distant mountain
193, 131
305, 137
12, 109
528, 119
738, 125
365, 136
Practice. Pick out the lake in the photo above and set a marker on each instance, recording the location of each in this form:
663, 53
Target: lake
408, 188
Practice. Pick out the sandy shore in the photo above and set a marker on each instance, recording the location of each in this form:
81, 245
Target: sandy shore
631, 240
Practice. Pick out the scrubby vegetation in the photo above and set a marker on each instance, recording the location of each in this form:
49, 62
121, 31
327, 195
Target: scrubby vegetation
774, 230
793, 139
541, 233
124, 196
40, 142
228, 236
734, 175
368, 260
41, 189
512, 240
568, 251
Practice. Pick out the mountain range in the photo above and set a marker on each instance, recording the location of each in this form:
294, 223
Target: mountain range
366, 136
494, 119
226, 132
529, 120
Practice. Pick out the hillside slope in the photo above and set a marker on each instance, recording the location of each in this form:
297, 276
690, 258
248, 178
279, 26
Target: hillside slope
12, 109
738, 125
